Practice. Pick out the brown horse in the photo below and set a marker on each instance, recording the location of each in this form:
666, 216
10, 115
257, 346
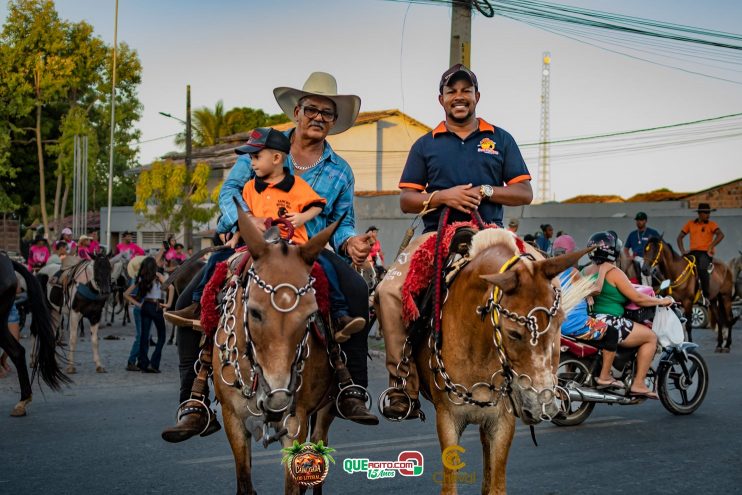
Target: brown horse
270, 365
498, 353
682, 272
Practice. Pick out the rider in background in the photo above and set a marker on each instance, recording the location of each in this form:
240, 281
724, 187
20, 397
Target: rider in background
543, 239
38, 254
129, 248
67, 237
580, 325
613, 292
636, 243
704, 234
84, 251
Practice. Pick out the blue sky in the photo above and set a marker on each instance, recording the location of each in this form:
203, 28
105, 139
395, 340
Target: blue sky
238, 51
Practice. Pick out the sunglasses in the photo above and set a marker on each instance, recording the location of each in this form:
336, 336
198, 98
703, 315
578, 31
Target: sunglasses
312, 112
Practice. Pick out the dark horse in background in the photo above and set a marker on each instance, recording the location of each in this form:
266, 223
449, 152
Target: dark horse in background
684, 286
41, 327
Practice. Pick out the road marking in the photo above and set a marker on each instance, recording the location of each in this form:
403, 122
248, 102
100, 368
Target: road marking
419, 441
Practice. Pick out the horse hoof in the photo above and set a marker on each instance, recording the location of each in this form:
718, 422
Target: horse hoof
100, 369
71, 370
20, 409
718, 349
725, 350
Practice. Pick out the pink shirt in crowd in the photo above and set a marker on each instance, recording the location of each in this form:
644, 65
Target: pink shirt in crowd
85, 253
133, 249
172, 254
37, 255
94, 247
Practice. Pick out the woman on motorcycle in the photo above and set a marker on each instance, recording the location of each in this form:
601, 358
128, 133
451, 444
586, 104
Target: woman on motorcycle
580, 325
614, 290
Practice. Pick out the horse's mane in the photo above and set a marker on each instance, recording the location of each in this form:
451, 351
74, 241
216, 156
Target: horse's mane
655, 239
490, 237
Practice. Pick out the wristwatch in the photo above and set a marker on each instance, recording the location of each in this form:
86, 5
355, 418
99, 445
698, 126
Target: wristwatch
486, 191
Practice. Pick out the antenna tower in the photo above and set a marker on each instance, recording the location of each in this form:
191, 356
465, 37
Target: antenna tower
544, 174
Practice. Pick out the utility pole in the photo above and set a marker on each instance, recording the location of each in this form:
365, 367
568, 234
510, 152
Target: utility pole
113, 128
544, 173
461, 33
188, 225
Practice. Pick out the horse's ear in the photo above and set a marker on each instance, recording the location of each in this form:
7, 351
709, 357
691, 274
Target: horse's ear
250, 234
310, 251
507, 281
552, 267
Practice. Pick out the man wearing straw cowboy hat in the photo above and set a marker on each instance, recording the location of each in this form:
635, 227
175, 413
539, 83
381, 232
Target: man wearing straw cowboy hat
318, 110
704, 234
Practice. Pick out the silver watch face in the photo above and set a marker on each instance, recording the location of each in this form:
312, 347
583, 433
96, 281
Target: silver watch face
487, 190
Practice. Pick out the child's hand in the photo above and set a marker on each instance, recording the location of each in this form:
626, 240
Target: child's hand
296, 219
232, 243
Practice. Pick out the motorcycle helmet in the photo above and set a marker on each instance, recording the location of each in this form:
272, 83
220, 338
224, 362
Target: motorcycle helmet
606, 247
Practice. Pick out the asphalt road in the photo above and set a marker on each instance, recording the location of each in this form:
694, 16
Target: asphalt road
102, 435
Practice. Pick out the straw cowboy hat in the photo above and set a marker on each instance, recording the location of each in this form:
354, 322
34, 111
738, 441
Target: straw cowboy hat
132, 269
321, 84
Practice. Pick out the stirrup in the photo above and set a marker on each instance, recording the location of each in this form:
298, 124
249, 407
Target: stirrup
383, 401
347, 390
201, 404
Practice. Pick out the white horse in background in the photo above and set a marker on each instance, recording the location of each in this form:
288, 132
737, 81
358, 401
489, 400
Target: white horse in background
85, 286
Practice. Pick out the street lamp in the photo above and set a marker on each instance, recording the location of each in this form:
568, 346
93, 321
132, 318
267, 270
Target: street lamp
188, 226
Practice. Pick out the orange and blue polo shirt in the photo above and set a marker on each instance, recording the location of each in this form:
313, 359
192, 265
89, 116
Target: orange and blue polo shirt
701, 234
290, 195
440, 160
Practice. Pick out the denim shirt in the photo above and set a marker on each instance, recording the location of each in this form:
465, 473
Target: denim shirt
332, 178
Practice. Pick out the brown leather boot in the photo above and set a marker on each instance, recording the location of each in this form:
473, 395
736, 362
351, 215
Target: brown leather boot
348, 326
185, 317
399, 405
353, 407
192, 418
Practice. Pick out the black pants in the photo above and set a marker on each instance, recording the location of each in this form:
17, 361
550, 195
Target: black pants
356, 348
703, 261
188, 342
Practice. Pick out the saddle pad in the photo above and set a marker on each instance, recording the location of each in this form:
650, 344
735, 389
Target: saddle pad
420, 274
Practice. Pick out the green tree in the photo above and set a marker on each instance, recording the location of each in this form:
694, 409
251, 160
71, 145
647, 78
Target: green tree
211, 125
167, 195
55, 79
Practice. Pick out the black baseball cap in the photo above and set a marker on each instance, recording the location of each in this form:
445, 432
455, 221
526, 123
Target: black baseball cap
640, 216
458, 69
371, 228
265, 138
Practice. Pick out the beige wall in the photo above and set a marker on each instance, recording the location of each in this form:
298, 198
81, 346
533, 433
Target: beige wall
358, 146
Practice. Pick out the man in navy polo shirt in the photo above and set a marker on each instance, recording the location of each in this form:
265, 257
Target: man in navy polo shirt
636, 242
466, 164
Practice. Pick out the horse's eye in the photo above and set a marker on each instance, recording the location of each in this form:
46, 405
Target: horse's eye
513, 335
255, 314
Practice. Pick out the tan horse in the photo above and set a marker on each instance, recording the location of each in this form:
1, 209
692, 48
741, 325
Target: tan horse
282, 374
685, 284
499, 351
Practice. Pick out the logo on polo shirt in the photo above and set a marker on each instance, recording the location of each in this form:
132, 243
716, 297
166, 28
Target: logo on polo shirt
487, 145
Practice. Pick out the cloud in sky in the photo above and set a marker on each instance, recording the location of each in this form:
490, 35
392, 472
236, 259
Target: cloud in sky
238, 51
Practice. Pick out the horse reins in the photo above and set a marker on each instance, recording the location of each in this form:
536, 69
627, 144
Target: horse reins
690, 268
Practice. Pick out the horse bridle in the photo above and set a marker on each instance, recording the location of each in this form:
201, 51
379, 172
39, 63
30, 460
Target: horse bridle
459, 394
230, 354
684, 276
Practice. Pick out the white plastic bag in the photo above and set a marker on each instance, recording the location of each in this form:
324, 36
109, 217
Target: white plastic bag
668, 327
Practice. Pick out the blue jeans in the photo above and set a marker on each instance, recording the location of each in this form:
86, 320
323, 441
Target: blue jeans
151, 313
208, 271
135, 346
338, 304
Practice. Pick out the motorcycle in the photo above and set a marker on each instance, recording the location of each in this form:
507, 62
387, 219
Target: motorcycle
680, 378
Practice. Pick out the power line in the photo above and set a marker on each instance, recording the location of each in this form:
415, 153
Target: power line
157, 138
